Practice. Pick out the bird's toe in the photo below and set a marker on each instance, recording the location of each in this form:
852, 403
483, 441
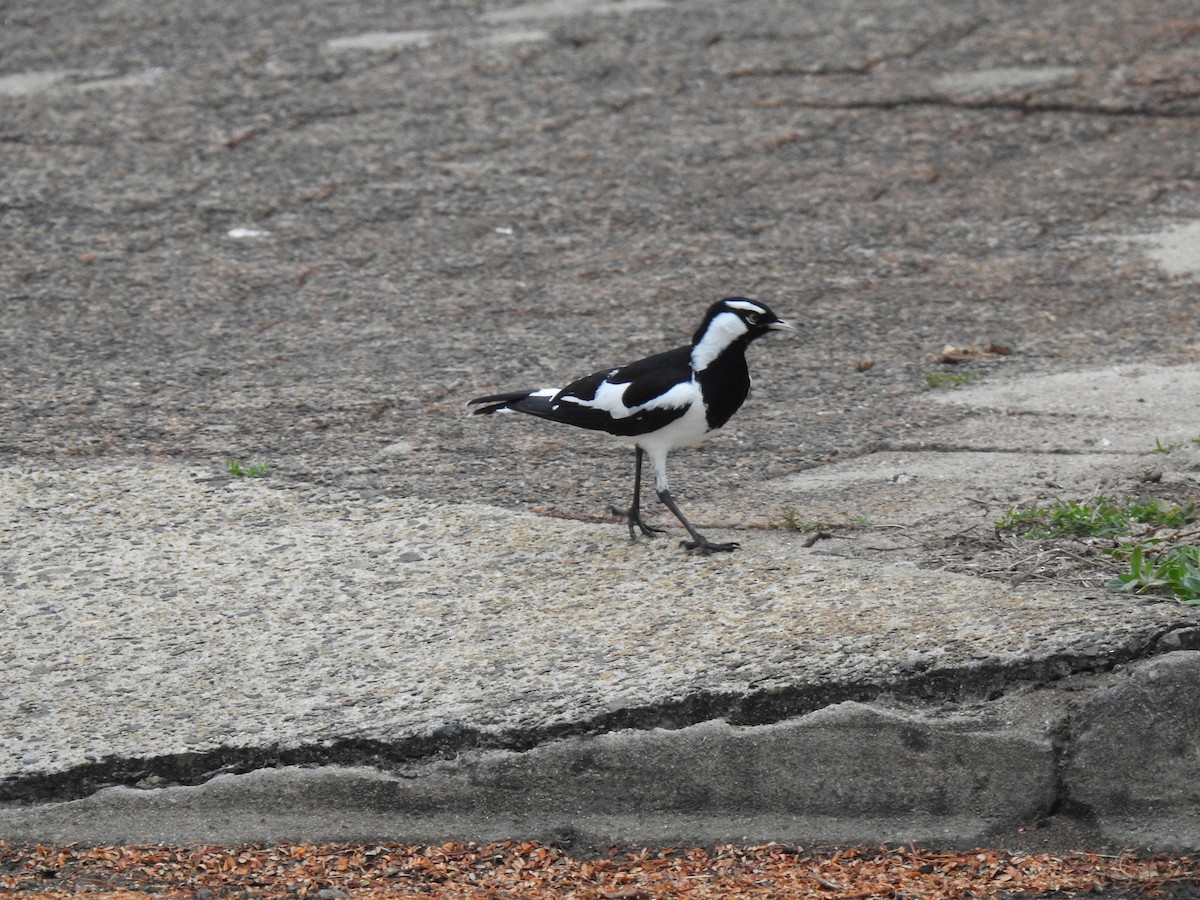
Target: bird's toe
635, 521
707, 548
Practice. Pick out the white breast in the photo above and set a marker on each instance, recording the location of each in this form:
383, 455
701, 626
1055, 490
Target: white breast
690, 428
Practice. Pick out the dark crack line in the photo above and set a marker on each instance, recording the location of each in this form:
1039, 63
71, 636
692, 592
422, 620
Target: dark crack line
983, 105
968, 683
934, 447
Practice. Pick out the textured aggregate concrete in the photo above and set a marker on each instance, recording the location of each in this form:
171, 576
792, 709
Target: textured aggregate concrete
174, 616
1134, 752
845, 773
305, 234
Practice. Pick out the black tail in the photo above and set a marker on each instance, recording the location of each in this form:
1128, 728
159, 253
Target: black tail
533, 403
494, 403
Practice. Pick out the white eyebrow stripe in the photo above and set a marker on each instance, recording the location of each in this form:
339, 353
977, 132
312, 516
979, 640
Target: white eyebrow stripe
745, 305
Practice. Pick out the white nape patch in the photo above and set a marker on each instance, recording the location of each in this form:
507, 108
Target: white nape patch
723, 330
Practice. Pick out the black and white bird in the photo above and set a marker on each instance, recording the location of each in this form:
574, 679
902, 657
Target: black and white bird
672, 399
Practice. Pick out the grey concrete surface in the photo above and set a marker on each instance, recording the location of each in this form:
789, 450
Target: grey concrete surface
1135, 750
845, 773
305, 235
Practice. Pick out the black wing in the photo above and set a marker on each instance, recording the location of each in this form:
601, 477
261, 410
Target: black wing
643, 381
601, 401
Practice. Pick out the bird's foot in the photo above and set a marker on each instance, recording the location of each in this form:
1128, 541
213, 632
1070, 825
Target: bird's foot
634, 518
706, 547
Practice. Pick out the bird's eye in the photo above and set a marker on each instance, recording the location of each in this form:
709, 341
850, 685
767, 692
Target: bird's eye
752, 318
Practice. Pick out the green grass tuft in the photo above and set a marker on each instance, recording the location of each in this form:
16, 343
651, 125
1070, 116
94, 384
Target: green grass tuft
237, 470
1098, 517
1158, 565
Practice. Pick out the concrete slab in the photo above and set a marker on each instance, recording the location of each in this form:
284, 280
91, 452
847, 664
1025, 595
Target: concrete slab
1121, 409
919, 488
168, 628
1015, 441
156, 613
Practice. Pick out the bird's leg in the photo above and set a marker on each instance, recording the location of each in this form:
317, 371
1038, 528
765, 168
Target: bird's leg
698, 541
634, 514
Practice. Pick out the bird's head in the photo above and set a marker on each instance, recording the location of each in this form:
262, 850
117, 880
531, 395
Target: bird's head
732, 320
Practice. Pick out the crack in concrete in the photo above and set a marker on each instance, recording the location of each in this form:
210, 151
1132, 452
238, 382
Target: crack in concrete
1022, 104
935, 447
982, 682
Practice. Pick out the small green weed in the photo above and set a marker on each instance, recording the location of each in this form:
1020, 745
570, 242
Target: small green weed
237, 470
1175, 571
943, 380
1158, 562
1160, 447
1098, 517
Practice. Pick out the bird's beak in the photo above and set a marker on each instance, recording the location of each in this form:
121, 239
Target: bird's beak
783, 326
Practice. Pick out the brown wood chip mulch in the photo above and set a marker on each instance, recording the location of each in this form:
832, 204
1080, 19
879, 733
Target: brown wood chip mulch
532, 871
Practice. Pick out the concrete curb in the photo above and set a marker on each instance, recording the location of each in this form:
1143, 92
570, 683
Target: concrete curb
1134, 752
1119, 769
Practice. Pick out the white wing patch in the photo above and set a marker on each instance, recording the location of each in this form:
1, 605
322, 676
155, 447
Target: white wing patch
610, 394
679, 397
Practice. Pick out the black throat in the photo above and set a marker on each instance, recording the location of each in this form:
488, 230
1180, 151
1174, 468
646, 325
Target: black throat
725, 384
